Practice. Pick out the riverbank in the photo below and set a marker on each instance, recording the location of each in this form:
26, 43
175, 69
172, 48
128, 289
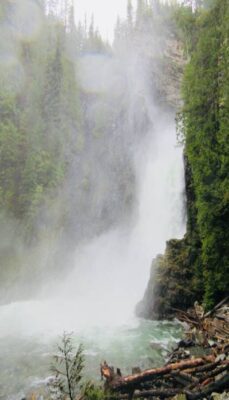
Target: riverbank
26, 352
196, 369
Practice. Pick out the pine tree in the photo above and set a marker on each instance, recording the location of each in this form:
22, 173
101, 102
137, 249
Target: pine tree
67, 368
205, 117
130, 15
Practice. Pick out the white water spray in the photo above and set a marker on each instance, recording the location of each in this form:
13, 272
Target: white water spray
111, 272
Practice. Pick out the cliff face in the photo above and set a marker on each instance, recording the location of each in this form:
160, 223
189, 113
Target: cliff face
172, 71
174, 281
170, 284
170, 277
197, 266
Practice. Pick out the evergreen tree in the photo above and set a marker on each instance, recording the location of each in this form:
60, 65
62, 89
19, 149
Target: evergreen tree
205, 117
67, 367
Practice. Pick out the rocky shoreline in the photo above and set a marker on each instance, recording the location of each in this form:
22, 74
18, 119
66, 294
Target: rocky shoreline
196, 369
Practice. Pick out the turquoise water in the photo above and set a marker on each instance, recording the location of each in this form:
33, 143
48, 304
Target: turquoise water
25, 360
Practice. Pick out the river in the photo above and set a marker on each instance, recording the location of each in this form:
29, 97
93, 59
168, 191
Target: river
25, 359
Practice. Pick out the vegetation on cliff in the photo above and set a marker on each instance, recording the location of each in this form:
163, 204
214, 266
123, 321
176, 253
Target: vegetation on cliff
205, 121
196, 267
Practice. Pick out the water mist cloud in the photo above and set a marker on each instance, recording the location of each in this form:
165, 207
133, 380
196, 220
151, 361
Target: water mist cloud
123, 194
25, 19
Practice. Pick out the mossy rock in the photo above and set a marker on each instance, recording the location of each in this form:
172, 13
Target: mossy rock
170, 285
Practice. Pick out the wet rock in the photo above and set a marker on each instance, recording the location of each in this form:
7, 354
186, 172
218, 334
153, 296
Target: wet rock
186, 343
212, 343
221, 357
156, 345
221, 376
220, 396
169, 284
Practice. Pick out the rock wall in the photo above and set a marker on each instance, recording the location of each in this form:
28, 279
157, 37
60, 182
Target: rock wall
170, 284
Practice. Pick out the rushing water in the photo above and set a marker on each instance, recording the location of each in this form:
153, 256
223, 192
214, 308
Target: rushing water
25, 360
96, 300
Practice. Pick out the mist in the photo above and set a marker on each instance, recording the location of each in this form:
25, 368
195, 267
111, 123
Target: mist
87, 257
91, 184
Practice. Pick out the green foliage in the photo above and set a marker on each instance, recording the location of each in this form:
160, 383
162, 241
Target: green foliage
37, 136
56, 137
187, 23
205, 123
93, 392
197, 266
67, 367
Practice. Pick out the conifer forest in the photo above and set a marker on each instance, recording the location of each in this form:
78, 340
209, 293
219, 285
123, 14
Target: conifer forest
114, 200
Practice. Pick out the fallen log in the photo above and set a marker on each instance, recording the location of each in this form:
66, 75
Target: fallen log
183, 378
162, 393
216, 372
125, 383
159, 393
199, 393
209, 313
203, 368
107, 372
217, 386
186, 317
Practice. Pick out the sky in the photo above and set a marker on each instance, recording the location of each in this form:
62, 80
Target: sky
105, 13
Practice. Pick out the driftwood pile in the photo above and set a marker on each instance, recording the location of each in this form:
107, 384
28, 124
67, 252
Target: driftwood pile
209, 328
184, 376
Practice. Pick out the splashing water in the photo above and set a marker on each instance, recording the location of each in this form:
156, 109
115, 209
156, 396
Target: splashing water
97, 299
111, 272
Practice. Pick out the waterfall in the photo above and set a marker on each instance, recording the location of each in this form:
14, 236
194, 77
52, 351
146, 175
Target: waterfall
123, 125
111, 272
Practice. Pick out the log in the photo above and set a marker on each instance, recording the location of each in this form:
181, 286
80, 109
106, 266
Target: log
162, 393
216, 372
188, 319
123, 383
207, 381
207, 371
209, 313
203, 368
183, 378
218, 386
107, 372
